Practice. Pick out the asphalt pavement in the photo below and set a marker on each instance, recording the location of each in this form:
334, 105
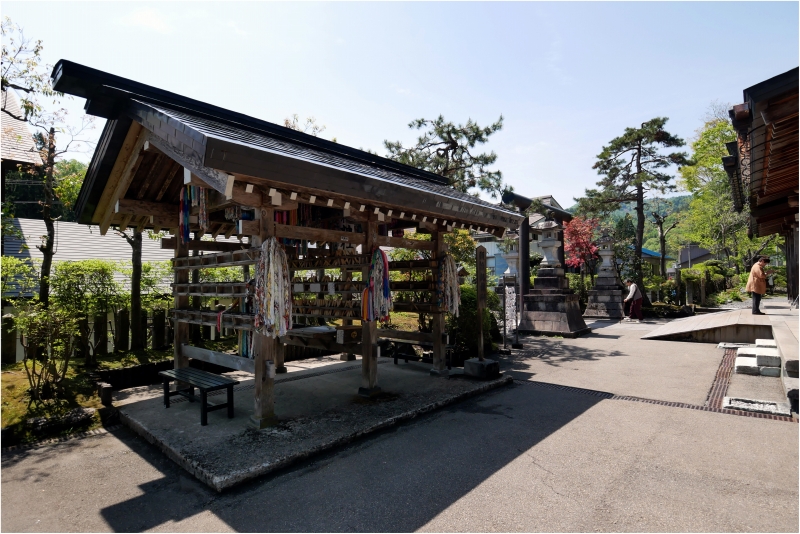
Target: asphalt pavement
528, 457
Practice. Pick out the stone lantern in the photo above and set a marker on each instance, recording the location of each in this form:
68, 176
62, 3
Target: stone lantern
606, 299
550, 307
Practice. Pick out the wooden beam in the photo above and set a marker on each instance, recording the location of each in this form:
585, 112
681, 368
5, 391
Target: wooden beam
155, 169
402, 242
126, 220
230, 361
143, 207
189, 158
121, 175
170, 243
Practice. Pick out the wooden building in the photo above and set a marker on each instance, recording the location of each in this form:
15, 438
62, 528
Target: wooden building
763, 163
260, 181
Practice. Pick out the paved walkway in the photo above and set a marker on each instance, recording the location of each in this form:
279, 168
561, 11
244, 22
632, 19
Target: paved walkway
530, 457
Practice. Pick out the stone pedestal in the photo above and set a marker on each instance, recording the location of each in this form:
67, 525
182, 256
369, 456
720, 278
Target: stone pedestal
551, 308
484, 370
606, 299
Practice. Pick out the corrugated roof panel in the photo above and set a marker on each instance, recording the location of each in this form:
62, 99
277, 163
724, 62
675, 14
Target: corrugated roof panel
17, 140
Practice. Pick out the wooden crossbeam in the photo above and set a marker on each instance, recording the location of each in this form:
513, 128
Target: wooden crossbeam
143, 207
171, 243
122, 173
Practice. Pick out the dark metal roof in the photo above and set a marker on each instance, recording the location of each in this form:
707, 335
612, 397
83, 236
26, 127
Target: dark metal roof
107, 96
213, 132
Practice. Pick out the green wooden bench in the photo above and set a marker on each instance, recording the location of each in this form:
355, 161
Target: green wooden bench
205, 382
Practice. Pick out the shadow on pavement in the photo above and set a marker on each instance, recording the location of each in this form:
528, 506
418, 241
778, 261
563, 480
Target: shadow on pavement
396, 480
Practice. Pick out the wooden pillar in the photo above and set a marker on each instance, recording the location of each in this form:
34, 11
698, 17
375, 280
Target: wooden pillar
181, 330
438, 324
195, 329
280, 359
347, 276
480, 283
265, 348
369, 329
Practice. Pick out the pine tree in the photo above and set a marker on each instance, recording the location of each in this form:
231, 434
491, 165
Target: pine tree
633, 165
447, 149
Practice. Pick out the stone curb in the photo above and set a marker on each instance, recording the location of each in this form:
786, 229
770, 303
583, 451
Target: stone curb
53, 441
224, 482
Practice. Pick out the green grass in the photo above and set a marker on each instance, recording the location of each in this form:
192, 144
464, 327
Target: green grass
77, 390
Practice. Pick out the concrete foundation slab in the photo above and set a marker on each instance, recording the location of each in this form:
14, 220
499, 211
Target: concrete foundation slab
316, 410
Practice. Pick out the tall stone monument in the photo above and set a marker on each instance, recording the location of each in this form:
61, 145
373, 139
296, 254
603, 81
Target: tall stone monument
605, 300
550, 307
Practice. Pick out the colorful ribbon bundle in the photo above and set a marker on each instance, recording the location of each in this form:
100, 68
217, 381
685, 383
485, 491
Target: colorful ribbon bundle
233, 213
183, 222
447, 288
273, 298
193, 195
376, 300
202, 218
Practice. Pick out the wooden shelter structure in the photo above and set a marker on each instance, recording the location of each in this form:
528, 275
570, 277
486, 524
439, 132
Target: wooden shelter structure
763, 163
262, 181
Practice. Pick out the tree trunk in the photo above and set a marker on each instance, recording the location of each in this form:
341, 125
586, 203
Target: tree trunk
138, 336
637, 254
47, 248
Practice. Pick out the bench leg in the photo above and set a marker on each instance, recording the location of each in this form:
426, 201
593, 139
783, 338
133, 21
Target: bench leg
166, 393
203, 408
230, 402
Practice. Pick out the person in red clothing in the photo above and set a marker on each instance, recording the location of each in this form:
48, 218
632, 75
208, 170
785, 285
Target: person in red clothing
635, 296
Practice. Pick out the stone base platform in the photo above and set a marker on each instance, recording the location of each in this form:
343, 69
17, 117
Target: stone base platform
316, 410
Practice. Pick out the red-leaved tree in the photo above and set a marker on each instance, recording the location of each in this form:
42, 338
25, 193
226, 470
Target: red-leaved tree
579, 247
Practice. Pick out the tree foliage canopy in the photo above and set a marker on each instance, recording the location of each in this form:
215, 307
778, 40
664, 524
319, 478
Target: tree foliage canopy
579, 243
449, 150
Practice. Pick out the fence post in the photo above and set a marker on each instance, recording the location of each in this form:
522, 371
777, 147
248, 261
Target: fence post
159, 320
123, 331
9, 349
101, 335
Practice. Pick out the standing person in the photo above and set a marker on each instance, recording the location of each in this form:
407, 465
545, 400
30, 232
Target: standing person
757, 283
635, 296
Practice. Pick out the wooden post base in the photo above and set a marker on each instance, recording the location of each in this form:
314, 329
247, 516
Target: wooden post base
281, 369
368, 392
261, 423
347, 357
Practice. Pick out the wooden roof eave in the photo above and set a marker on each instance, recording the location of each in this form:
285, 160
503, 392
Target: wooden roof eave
214, 160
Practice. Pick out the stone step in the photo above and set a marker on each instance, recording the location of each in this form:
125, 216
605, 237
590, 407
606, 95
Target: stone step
767, 343
746, 365
766, 357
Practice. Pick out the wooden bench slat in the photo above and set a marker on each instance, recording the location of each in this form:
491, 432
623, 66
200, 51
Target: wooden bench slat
186, 376
200, 379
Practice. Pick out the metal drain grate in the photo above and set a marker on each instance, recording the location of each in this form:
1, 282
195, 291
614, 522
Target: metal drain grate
722, 380
611, 396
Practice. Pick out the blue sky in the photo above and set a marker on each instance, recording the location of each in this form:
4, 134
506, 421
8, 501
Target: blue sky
567, 76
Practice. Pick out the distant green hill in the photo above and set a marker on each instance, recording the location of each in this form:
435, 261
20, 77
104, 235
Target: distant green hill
674, 204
